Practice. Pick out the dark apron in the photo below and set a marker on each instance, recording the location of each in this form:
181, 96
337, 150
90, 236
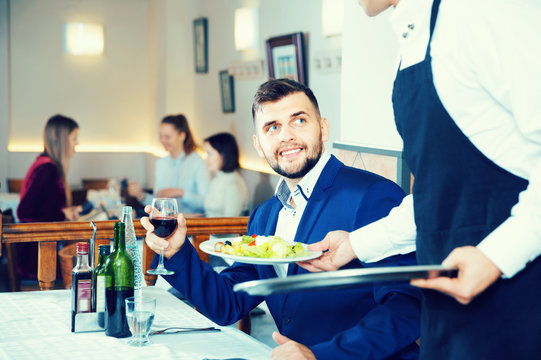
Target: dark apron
460, 196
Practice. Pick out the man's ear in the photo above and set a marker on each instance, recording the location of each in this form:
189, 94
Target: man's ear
325, 129
257, 146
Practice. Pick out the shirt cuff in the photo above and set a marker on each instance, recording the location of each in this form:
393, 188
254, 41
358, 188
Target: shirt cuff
510, 247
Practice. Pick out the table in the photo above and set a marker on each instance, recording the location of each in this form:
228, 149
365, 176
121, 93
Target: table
36, 325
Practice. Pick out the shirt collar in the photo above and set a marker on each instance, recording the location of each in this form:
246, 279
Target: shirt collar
304, 188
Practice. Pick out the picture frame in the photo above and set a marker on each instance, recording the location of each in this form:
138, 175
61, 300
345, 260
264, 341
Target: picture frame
200, 38
227, 91
285, 57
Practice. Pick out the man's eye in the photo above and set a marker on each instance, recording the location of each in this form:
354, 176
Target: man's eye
272, 128
300, 121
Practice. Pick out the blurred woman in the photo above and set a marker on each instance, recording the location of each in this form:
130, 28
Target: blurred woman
182, 174
228, 194
45, 194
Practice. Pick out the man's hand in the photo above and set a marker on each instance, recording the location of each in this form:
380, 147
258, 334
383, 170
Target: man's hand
135, 190
339, 252
170, 193
289, 349
172, 244
475, 273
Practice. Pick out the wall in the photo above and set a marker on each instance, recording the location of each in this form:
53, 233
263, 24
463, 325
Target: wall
4, 92
146, 72
277, 17
369, 53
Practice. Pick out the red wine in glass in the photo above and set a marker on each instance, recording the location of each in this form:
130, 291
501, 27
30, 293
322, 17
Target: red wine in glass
164, 226
164, 218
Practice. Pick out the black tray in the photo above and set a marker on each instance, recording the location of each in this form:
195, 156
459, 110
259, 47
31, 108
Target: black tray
342, 279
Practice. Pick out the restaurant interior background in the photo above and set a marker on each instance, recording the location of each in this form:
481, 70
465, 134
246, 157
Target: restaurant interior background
147, 71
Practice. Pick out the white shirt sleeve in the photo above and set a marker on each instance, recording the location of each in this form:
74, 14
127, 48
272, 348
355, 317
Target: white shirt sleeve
517, 240
513, 79
392, 235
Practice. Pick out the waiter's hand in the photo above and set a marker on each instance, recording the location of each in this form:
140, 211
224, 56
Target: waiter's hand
290, 349
476, 272
339, 252
173, 242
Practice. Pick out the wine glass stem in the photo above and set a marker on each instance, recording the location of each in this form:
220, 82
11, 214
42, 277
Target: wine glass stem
160, 263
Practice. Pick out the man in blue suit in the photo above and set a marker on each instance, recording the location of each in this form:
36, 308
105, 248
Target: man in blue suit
317, 194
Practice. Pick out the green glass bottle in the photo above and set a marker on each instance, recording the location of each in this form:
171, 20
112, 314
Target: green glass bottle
118, 286
99, 280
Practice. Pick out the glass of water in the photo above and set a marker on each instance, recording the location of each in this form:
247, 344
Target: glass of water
140, 312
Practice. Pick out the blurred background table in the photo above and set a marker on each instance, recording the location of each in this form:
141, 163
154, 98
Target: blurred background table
37, 325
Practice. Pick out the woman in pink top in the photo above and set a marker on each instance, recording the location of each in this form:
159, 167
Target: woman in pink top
45, 194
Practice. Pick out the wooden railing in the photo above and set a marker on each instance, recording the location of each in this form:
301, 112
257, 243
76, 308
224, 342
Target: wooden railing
48, 234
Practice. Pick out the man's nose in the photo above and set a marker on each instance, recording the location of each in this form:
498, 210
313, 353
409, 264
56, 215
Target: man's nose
286, 134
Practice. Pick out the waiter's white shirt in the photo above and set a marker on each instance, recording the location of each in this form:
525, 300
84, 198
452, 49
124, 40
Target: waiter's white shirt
486, 63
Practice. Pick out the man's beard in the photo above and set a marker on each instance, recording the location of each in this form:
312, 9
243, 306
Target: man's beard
309, 163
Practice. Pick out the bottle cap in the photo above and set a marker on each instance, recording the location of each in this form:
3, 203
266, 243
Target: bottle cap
104, 249
82, 248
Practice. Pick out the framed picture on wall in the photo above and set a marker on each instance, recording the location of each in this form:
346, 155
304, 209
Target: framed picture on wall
285, 57
228, 92
200, 38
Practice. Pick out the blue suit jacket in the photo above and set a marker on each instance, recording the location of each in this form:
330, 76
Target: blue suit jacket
371, 321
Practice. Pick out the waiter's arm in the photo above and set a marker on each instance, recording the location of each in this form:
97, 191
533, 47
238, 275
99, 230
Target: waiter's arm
392, 235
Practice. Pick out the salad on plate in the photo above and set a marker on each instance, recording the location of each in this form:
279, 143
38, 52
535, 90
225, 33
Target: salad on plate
266, 247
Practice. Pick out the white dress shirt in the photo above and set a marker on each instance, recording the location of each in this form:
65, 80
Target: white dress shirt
190, 173
289, 216
486, 68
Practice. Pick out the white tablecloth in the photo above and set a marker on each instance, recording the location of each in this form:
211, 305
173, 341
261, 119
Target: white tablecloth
36, 325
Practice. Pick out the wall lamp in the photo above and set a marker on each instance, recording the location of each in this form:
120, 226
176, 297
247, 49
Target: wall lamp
83, 39
246, 28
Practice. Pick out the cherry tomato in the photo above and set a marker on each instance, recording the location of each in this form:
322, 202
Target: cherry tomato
254, 236
218, 246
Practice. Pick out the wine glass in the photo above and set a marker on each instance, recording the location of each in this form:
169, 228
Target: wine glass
164, 219
140, 312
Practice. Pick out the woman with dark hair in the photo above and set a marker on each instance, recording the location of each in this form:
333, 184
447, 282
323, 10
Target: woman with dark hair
228, 194
45, 194
182, 174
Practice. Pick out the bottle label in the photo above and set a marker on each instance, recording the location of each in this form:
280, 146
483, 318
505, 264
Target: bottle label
100, 294
83, 295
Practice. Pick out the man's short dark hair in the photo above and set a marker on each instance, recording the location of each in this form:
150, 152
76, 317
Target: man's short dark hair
276, 89
226, 145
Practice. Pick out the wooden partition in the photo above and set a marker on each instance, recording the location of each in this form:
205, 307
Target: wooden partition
47, 235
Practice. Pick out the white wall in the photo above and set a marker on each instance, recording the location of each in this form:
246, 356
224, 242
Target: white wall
369, 54
104, 94
146, 72
4, 93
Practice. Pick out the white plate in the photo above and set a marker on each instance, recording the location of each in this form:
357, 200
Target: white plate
208, 247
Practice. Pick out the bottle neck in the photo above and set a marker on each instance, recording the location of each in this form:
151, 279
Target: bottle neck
82, 261
126, 214
121, 242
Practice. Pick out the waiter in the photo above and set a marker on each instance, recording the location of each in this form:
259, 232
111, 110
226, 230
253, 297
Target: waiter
467, 104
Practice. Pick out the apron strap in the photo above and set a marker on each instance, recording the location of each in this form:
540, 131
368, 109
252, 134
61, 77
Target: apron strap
433, 17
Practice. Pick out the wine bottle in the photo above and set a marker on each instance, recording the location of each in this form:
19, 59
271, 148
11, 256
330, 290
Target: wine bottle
81, 284
118, 286
99, 280
132, 247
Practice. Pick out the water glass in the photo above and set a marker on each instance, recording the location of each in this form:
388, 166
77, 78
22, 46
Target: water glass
140, 312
